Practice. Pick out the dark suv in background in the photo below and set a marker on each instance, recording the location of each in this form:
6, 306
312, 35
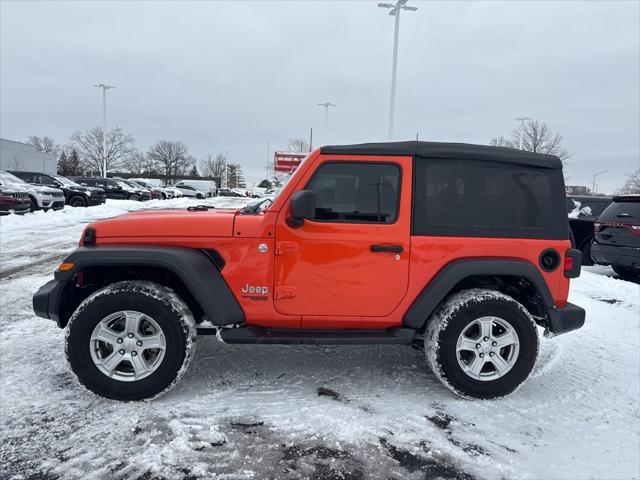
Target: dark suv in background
617, 236
115, 189
583, 211
75, 195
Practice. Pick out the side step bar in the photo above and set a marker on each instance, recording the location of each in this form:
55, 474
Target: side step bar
259, 335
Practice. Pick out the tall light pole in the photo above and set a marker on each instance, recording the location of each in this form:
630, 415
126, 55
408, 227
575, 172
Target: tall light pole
395, 11
593, 184
521, 120
104, 125
326, 106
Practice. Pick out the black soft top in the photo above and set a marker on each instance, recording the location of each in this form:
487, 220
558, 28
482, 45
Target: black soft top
465, 151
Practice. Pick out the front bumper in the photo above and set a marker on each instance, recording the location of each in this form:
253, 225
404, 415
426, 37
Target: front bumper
566, 319
58, 205
612, 255
46, 301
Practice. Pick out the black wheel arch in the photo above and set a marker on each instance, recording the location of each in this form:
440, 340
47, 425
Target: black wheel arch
519, 279
194, 275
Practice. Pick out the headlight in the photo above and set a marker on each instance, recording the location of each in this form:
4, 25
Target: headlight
88, 192
44, 192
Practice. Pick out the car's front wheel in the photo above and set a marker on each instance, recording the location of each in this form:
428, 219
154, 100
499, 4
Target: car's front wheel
481, 343
130, 340
77, 201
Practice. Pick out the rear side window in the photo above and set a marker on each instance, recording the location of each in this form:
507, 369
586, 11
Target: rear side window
356, 192
621, 212
487, 199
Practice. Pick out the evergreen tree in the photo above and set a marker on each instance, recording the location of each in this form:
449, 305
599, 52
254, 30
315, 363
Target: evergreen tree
63, 164
74, 163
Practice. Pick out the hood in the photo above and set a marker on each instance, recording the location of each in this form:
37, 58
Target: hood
168, 223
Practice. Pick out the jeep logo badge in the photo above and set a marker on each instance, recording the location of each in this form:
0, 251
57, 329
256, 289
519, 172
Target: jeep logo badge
262, 248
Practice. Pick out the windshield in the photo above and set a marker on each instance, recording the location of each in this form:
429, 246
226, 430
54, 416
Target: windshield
9, 179
125, 185
66, 182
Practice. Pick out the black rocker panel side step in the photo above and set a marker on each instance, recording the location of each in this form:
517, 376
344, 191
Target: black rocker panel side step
254, 334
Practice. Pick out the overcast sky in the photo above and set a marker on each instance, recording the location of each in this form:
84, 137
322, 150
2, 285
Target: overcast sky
232, 76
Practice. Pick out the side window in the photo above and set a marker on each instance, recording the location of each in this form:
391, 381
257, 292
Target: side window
486, 199
44, 180
356, 192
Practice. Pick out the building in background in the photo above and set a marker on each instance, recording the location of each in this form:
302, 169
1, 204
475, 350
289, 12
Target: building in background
22, 156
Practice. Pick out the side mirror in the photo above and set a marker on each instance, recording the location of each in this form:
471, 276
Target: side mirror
302, 206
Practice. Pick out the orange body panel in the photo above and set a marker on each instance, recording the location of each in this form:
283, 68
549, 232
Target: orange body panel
322, 275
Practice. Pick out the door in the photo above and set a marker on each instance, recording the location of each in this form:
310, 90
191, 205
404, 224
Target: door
352, 258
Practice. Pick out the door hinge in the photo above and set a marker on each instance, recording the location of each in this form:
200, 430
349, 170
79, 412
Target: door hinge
286, 248
284, 291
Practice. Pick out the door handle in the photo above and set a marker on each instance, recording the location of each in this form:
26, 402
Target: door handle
387, 248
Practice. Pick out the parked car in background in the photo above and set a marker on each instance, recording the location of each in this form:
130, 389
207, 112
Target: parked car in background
75, 195
143, 192
114, 189
583, 211
156, 191
13, 201
206, 187
227, 192
42, 198
617, 236
176, 192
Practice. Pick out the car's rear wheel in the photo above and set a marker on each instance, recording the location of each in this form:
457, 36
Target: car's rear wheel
130, 340
199, 196
585, 248
77, 201
481, 344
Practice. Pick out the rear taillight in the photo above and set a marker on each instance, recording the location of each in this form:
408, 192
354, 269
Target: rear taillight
568, 264
597, 227
635, 229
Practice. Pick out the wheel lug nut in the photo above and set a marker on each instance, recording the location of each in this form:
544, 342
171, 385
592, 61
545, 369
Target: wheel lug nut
486, 339
478, 345
134, 353
121, 352
491, 354
481, 355
494, 344
119, 340
130, 335
139, 343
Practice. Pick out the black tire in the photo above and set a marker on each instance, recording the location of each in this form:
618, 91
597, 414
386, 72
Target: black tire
626, 273
133, 196
158, 302
454, 317
585, 248
199, 196
33, 206
78, 201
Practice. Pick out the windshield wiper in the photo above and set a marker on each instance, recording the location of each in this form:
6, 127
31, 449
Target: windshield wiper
200, 208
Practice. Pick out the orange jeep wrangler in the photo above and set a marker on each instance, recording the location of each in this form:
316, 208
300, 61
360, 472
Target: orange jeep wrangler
463, 247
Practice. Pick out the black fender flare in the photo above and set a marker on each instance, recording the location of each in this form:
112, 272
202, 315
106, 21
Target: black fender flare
451, 274
195, 268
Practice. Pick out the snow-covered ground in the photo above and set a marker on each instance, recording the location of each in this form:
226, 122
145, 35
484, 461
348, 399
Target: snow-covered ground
311, 412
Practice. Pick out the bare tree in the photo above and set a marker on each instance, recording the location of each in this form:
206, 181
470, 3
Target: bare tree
213, 165
298, 145
632, 184
120, 147
535, 136
43, 144
173, 158
140, 163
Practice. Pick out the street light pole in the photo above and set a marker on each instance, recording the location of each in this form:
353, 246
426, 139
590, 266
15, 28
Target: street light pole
395, 11
593, 184
104, 88
521, 120
326, 106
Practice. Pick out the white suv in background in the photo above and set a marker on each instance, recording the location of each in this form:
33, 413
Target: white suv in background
42, 198
197, 188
